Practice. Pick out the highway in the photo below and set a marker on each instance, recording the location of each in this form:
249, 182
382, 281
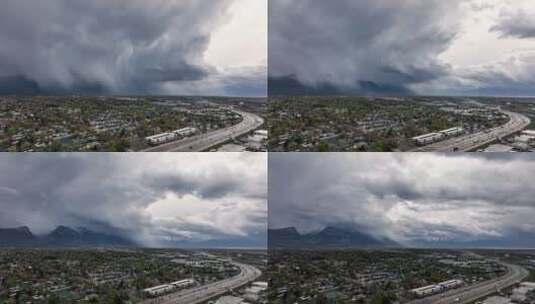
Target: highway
205, 141
472, 293
204, 293
471, 142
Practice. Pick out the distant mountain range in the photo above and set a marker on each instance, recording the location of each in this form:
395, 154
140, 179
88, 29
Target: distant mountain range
16, 236
62, 236
329, 237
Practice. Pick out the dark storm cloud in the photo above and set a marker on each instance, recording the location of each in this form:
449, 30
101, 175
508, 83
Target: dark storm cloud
411, 198
371, 45
115, 192
208, 184
105, 46
182, 185
516, 24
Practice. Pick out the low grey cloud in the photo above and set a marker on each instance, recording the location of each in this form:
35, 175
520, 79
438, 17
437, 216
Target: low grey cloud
387, 47
517, 24
348, 44
411, 198
103, 46
155, 201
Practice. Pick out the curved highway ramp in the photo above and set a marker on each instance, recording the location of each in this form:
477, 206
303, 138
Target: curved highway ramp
205, 141
471, 142
472, 293
206, 292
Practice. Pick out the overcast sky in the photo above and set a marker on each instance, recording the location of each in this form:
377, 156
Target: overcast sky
153, 200
430, 47
413, 199
208, 47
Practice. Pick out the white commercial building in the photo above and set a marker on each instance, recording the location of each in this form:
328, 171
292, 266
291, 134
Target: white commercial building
430, 138
185, 131
520, 294
528, 132
427, 139
453, 132
436, 288
525, 139
167, 288
159, 290
259, 136
183, 283
528, 284
523, 147
162, 138
264, 284
426, 290
253, 293
261, 132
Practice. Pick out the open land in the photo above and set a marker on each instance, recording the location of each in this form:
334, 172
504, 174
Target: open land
115, 275
415, 276
401, 124
118, 124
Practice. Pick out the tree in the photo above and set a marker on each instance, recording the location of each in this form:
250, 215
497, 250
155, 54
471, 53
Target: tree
323, 147
53, 299
55, 147
117, 146
114, 298
321, 299
382, 298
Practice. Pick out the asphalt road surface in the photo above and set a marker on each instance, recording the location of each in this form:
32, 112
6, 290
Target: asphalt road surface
472, 293
204, 293
470, 142
205, 141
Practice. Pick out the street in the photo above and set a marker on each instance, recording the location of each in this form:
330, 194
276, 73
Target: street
205, 141
470, 142
203, 293
469, 294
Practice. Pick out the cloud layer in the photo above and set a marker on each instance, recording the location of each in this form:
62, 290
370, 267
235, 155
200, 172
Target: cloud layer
117, 46
171, 199
459, 47
348, 43
414, 199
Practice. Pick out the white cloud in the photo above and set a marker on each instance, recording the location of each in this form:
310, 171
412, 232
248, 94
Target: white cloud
242, 42
406, 197
489, 56
131, 46
173, 196
458, 47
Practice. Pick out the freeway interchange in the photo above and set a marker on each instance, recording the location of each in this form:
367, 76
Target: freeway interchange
203, 293
205, 141
471, 142
472, 293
